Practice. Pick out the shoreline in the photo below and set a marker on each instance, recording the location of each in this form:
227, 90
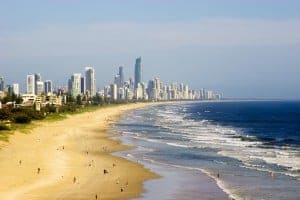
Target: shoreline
68, 159
205, 185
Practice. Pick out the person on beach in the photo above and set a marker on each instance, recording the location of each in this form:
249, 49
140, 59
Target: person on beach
74, 179
218, 175
272, 175
38, 170
20, 162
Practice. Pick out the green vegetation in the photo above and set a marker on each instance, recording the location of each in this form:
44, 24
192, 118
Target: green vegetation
12, 98
20, 118
4, 127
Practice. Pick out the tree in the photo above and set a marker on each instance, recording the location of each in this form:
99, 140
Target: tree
5, 114
78, 100
70, 99
19, 100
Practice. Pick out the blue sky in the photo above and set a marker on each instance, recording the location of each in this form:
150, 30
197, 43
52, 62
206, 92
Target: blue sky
243, 48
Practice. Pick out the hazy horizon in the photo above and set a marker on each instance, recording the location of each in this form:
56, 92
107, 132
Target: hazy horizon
243, 49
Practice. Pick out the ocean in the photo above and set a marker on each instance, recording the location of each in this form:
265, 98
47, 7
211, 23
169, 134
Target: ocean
250, 149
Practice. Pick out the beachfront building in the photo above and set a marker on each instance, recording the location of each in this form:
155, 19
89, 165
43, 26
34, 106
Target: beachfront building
82, 87
137, 72
139, 92
48, 88
16, 89
90, 82
37, 82
30, 84
114, 91
1, 83
28, 99
39, 87
121, 77
74, 85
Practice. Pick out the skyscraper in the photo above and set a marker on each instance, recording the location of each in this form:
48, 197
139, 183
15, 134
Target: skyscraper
117, 80
121, 77
48, 88
39, 87
37, 78
16, 89
75, 85
90, 80
1, 83
114, 91
30, 84
82, 85
137, 72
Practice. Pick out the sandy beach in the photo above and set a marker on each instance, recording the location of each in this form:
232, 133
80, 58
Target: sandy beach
70, 159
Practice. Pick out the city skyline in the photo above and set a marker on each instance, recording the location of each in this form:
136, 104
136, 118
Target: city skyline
246, 49
83, 88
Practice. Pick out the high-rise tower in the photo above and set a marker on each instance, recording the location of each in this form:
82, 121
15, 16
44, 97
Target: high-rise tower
90, 84
137, 72
1, 83
30, 84
37, 79
75, 85
121, 77
48, 87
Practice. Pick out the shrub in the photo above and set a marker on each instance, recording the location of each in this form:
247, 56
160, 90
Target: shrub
4, 127
50, 109
4, 114
22, 118
35, 115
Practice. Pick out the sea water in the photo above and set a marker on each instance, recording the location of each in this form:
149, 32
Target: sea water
250, 149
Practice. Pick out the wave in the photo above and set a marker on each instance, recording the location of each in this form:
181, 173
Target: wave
232, 142
178, 145
219, 182
218, 146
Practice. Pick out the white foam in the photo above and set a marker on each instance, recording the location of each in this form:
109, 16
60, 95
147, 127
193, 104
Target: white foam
219, 183
228, 140
177, 145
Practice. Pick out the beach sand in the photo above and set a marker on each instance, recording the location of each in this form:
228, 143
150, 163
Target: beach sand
66, 160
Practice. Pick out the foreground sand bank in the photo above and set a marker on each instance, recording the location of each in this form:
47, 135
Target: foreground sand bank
66, 160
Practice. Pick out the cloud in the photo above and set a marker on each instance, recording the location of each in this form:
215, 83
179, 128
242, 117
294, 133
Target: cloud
120, 37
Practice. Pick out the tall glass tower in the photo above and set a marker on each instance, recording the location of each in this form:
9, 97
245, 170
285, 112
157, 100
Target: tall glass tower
137, 72
90, 84
121, 75
1, 83
37, 78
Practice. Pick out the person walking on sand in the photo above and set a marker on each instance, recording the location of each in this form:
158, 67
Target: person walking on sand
74, 179
272, 175
38, 170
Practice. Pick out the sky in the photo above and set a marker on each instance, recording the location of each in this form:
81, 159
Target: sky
241, 48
